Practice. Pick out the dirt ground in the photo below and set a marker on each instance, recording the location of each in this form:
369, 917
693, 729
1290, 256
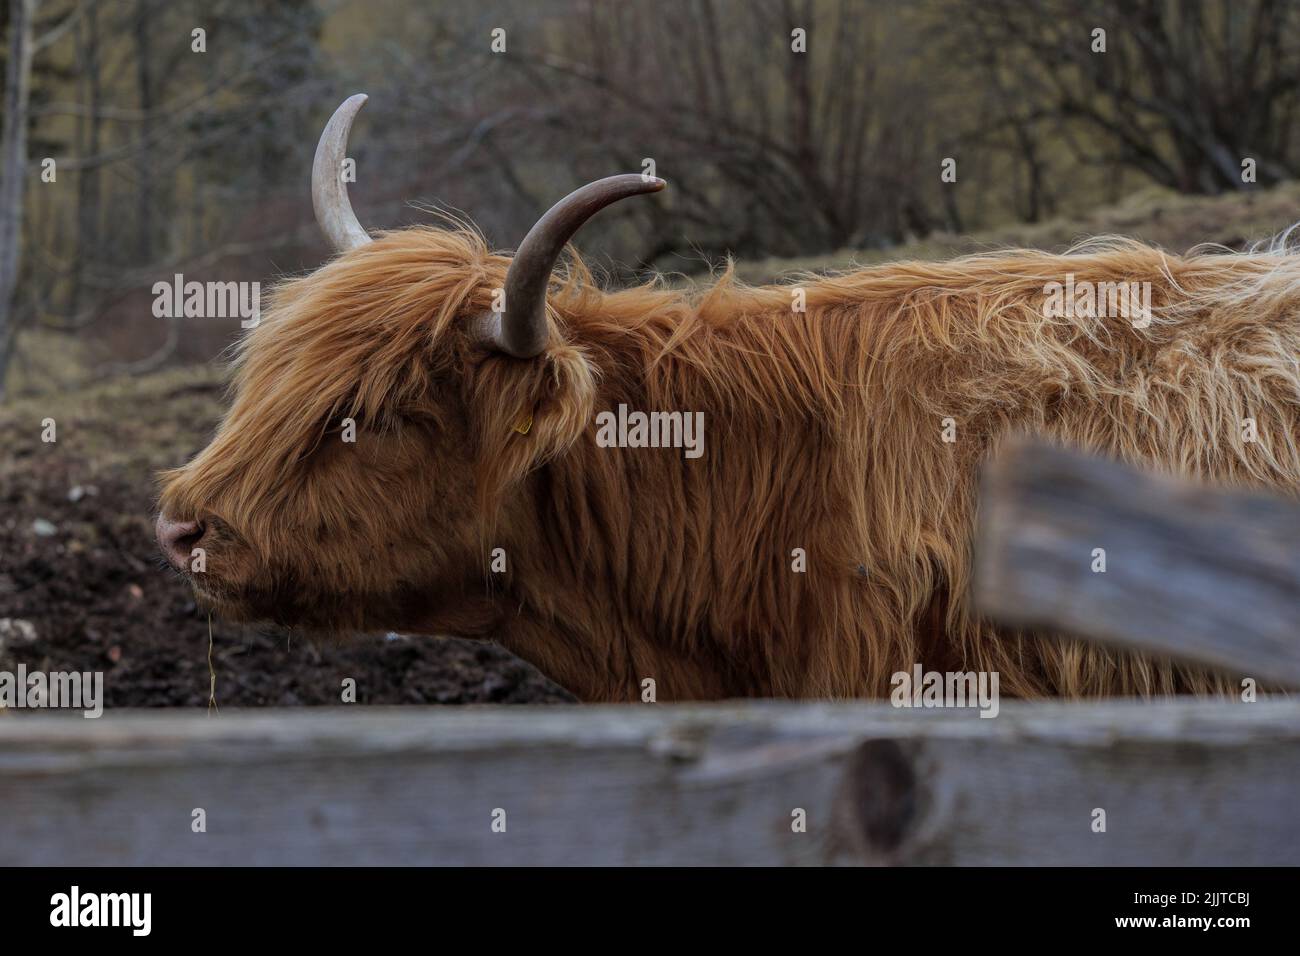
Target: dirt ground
81, 586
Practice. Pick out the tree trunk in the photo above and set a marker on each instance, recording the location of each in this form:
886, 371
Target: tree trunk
87, 248
145, 90
13, 173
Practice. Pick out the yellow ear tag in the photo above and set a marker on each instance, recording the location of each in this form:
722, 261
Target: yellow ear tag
524, 425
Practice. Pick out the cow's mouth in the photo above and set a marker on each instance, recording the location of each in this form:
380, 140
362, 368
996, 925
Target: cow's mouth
286, 604
236, 603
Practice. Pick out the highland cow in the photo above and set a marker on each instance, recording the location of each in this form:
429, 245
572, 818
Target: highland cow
823, 540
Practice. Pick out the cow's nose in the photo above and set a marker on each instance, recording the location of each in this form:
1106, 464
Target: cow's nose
177, 540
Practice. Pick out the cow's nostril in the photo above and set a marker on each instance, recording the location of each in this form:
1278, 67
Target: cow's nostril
177, 539
189, 540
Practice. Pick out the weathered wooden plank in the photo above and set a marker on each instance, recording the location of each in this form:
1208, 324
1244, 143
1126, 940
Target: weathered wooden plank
1207, 575
1181, 782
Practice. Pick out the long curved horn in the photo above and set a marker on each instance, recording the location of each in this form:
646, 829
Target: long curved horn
520, 329
329, 194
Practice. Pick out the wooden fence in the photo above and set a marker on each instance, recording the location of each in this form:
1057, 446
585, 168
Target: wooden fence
1185, 781
1180, 782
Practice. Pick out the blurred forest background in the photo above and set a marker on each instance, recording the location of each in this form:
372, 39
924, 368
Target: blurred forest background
169, 160
783, 150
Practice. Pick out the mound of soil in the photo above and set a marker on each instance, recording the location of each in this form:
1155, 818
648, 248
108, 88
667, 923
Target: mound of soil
82, 588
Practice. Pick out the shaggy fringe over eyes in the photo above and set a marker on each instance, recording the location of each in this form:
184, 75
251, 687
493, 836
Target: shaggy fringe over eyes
822, 433
358, 338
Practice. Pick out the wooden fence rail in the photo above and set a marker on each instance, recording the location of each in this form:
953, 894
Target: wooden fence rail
1208, 575
1180, 782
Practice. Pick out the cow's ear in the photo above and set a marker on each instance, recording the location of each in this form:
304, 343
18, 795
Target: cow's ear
526, 413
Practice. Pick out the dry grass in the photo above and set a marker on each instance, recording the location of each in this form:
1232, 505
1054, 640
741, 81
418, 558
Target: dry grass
1157, 216
148, 421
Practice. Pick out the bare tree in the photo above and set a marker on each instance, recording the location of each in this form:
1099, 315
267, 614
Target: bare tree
1182, 92
13, 175
159, 146
785, 127
781, 124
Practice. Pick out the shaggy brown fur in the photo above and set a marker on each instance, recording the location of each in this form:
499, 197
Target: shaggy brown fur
822, 430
